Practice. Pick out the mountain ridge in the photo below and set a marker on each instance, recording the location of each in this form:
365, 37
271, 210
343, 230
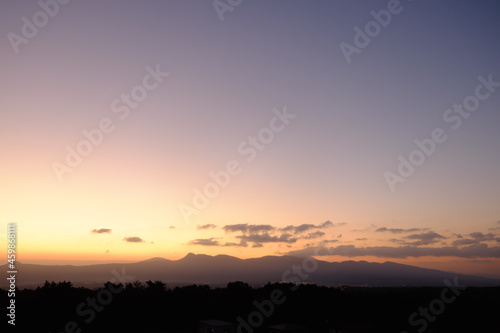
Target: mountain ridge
221, 269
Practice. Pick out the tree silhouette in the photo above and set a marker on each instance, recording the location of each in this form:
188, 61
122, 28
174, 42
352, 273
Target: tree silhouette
156, 286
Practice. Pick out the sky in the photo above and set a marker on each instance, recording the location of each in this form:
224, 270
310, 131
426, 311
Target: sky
349, 130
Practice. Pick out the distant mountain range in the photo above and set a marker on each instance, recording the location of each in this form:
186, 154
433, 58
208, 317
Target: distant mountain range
221, 269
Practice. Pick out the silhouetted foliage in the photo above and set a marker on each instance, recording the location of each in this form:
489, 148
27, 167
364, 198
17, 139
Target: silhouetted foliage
136, 285
156, 286
138, 307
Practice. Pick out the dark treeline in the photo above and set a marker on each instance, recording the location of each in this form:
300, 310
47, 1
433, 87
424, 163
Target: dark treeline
154, 307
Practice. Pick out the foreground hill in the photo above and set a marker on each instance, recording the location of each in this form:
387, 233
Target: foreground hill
221, 269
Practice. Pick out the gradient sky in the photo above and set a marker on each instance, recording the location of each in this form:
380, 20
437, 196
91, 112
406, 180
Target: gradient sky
227, 80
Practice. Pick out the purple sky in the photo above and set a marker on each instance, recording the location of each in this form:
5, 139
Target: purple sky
353, 117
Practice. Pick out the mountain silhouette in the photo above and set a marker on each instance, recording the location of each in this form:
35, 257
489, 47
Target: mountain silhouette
221, 269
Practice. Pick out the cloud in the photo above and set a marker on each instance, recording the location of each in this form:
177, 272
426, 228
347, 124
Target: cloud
171, 227
497, 239
476, 238
299, 229
133, 239
313, 235
214, 242
398, 231
330, 241
305, 227
472, 251
101, 231
464, 241
395, 240
425, 238
206, 226
266, 233
248, 228
480, 261
480, 237
240, 244
266, 238
257, 245
361, 239
205, 242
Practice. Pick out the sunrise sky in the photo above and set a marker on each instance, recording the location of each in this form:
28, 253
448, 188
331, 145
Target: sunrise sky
312, 123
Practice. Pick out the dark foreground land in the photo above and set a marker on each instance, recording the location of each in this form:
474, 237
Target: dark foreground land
154, 307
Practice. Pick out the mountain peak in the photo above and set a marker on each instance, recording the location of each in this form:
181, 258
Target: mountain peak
155, 259
191, 256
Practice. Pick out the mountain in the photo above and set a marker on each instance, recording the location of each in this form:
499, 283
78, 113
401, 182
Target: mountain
221, 269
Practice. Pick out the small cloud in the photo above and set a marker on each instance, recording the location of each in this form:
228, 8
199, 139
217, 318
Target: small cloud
425, 238
395, 240
361, 239
152, 242
266, 238
257, 245
101, 231
497, 239
339, 236
475, 238
330, 241
479, 261
299, 229
206, 226
480, 237
107, 251
305, 227
242, 243
464, 241
313, 235
133, 240
248, 228
171, 227
458, 235
205, 242
397, 230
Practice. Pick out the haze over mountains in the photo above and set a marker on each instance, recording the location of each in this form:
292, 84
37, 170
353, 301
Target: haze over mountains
221, 269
